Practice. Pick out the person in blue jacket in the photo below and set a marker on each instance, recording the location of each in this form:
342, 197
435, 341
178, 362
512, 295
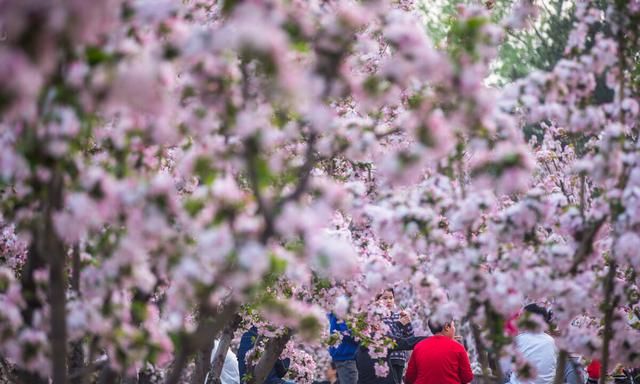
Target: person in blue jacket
247, 341
344, 354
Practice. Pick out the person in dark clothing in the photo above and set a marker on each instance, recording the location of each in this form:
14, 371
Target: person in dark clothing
247, 341
399, 323
366, 365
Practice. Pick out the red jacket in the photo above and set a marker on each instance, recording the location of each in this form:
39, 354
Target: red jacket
439, 360
593, 369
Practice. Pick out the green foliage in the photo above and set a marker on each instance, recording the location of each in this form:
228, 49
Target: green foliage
463, 35
205, 170
193, 206
95, 55
538, 47
310, 327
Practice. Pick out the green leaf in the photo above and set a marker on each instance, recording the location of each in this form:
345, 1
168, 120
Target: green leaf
300, 46
96, 56
277, 265
138, 311
264, 175
310, 327
193, 206
228, 5
204, 170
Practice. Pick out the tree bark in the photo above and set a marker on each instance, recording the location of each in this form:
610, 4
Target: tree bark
6, 373
480, 348
51, 245
609, 304
201, 364
76, 354
271, 354
207, 330
560, 367
108, 376
76, 362
215, 368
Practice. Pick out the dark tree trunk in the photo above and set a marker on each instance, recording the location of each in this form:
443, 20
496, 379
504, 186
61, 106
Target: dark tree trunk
201, 364
271, 354
45, 248
208, 329
108, 376
76, 362
215, 368
51, 245
76, 353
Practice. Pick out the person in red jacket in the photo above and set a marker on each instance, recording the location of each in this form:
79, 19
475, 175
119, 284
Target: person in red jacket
439, 359
593, 370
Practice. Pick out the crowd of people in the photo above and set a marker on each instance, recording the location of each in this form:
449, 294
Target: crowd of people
442, 358
439, 358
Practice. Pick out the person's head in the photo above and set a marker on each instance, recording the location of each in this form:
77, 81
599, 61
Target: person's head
535, 318
387, 297
447, 328
331, 373
536, 309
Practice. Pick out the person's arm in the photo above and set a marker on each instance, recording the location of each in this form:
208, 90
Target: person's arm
464, 367
407, 343
407, 330
412, 370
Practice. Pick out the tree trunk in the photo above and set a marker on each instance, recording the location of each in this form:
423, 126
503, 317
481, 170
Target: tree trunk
215, 368
271, 354
76, 362
51, 245
201, 364
609, 304
108, 376
480, 348
45, 248
6, 373
76, 354
560, 367
207, 330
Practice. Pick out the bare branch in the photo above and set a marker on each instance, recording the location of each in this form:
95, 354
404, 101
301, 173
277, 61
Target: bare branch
586, 245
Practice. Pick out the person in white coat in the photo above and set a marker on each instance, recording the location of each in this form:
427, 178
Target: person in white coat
230, 373
538, 348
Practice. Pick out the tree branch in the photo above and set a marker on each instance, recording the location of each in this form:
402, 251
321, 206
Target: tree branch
560, 367
206, 331
609, 304
49, 244
586, 245
305, 172
271, 354
213, 377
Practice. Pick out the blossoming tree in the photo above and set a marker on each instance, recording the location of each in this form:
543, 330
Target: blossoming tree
170, 170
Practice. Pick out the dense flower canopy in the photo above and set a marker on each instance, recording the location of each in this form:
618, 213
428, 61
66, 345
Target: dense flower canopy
167, 167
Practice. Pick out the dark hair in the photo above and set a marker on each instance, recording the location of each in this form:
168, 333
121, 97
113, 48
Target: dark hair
437, 327
379, 295
333, 366
539, 310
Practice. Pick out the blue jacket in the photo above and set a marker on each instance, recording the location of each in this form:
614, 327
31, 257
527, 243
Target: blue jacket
348, 348
247, 341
